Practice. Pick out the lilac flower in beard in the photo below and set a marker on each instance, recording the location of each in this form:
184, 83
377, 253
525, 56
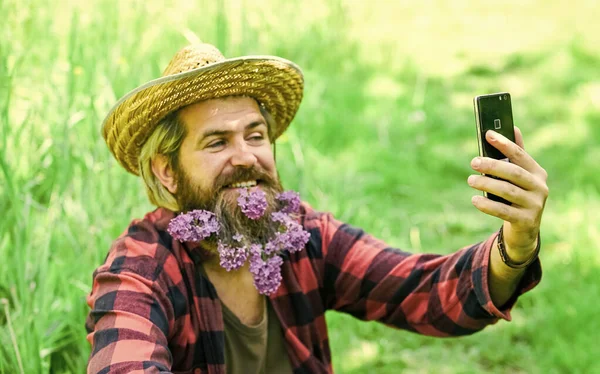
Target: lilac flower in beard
291, 199
266, 274
253, 204
292, 236
254, 251
282, 218
272, 246
292, 240
296, 238
193, 226
231, 258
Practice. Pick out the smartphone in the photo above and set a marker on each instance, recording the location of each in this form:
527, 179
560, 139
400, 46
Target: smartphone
493, 112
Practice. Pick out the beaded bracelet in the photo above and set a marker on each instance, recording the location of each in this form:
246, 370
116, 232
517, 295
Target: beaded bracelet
507, 260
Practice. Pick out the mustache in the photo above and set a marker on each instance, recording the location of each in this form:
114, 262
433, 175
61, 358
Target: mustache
243, 174
191, 196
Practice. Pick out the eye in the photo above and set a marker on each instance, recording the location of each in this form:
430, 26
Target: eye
216, 144
256, 137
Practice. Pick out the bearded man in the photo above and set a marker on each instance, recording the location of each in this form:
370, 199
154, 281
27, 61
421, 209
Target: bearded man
202, 138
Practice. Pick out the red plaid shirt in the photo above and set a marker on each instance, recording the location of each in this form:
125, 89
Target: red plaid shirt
152, 312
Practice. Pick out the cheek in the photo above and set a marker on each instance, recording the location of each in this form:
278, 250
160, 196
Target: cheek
266, 159
201, 170
207, 174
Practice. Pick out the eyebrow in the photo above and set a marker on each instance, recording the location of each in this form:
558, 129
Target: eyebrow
250, 126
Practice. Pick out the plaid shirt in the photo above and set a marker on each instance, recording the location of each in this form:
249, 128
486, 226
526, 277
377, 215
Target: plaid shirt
152, 312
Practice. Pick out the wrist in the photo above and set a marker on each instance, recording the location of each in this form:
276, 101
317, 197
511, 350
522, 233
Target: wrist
520, 255
517, 258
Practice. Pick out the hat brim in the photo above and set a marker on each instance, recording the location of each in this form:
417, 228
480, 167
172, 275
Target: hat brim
275, 82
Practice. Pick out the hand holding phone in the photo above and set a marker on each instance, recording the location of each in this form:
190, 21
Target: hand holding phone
493, 112
522, 181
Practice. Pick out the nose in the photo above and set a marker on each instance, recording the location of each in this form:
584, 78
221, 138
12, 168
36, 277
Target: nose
243, 157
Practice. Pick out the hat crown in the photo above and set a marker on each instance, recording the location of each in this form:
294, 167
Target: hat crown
193, 57
197, 73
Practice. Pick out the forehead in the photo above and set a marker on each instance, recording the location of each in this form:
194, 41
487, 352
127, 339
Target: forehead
220, 114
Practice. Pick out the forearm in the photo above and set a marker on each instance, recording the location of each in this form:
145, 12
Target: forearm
503, 280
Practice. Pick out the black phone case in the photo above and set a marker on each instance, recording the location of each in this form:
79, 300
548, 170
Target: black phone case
494, 112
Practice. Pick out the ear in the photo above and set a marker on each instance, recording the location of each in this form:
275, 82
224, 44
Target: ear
164, 173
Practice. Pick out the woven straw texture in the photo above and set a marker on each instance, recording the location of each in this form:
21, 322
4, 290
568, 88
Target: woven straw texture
197, 73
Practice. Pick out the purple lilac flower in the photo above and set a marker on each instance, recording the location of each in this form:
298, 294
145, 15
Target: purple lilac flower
238, 237
266, 274
291, 199
293, 240
255, 250
291, 236
193, 226
281, 217
231, 258
297, 238
272, 246
253, 203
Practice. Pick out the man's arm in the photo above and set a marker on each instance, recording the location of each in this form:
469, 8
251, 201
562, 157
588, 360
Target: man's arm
504, 280
129, 320
426, 293
524, 185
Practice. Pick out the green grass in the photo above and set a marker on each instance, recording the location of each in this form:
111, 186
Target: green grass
383, 140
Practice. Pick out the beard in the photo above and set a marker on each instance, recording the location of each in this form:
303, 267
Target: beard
222, 201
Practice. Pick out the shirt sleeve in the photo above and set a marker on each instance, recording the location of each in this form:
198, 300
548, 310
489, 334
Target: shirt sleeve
436, 295
130, 315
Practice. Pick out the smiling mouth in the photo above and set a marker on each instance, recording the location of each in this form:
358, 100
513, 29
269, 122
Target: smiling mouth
245, 184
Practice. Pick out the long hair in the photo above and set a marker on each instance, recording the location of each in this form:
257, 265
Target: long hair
165, 140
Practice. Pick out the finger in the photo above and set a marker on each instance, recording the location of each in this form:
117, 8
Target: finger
515, 153
506, 190
493, 208
519, 137
510, 172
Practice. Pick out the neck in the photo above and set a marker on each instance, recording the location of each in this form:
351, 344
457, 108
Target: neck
236, 290
212, 266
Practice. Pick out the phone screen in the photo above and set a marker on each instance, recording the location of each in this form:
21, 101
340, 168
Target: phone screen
493, 112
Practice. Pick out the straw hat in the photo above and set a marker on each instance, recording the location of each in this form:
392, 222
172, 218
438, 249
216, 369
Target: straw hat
196, 73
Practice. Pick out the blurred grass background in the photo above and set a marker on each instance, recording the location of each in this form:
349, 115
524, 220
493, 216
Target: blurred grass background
383, 140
